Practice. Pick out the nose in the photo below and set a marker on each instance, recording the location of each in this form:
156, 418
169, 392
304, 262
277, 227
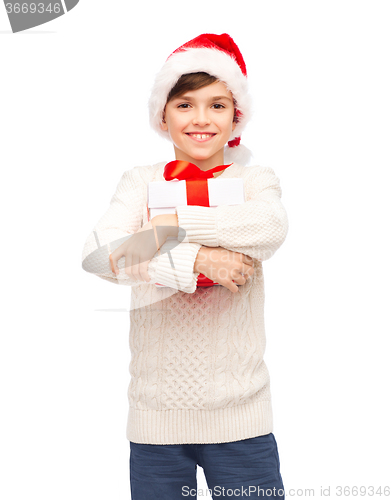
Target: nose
201, 118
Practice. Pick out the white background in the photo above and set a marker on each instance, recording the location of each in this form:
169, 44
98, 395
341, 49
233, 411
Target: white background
74, 117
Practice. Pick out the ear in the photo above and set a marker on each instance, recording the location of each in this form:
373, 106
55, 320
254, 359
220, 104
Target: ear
163, 124
234, 120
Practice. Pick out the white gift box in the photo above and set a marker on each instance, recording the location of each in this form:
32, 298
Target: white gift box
164, 196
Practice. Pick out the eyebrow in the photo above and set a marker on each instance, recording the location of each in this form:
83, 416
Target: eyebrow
215, 98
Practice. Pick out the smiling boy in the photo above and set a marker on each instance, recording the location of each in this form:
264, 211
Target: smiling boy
200, 123
200, 388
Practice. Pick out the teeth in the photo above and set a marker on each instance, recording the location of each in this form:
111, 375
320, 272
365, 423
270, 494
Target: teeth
201, 136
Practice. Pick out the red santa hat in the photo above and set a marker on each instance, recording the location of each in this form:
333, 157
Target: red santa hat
219, 56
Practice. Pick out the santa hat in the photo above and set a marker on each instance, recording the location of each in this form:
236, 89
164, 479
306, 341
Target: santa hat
219, 56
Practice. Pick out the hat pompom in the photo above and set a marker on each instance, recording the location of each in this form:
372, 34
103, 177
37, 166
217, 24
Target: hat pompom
238, 154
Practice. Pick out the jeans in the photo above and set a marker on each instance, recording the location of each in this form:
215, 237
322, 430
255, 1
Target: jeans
249, 468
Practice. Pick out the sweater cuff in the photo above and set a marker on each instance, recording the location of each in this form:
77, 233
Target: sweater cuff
174, 266
199, 224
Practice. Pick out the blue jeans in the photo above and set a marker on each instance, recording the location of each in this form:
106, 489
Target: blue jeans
249, 468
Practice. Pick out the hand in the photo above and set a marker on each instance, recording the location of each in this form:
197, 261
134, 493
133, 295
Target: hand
223, 266
139, 249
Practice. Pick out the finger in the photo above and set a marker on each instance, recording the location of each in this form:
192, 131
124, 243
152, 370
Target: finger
240, 279
247, 270
247, 260
230, 285
131, 265
113, 263
115, 256
136, 273
143, 267
227, 283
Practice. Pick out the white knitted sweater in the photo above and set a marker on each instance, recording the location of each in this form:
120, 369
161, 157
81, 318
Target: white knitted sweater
197, 368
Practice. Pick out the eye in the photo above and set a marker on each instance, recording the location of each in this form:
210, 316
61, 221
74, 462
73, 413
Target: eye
183, 106
220, 106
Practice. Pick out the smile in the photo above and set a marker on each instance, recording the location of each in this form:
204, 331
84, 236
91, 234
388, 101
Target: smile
200, 137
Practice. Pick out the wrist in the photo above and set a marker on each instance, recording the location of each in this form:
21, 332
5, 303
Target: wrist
168, 223
201, 259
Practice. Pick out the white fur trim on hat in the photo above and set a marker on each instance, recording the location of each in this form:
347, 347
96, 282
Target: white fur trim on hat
239, 154
208, 60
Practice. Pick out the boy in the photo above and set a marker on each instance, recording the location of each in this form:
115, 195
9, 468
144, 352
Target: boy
200, 389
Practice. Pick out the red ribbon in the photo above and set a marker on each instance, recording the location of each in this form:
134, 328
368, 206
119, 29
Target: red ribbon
196, 189
195, 179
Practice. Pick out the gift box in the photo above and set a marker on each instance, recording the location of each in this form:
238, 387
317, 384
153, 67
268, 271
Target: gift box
164, 196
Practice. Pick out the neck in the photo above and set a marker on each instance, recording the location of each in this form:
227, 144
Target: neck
203, 164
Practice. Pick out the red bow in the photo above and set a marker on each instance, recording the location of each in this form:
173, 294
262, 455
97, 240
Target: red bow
196, 189
196, 180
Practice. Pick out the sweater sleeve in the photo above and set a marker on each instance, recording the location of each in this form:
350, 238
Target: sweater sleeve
171, 266
256, 228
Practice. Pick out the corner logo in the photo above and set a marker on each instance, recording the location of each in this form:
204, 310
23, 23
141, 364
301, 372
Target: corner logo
25, 15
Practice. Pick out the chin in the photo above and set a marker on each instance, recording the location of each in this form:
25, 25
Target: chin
201, 157
197, 155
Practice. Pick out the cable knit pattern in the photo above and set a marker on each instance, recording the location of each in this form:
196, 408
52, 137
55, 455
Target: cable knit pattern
197, 368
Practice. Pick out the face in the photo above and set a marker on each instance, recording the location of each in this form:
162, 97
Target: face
200, 123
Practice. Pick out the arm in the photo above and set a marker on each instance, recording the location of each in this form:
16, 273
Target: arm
256, 228
123, 219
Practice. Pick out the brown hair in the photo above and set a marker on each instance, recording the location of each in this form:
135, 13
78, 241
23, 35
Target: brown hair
190, 81
194, 81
